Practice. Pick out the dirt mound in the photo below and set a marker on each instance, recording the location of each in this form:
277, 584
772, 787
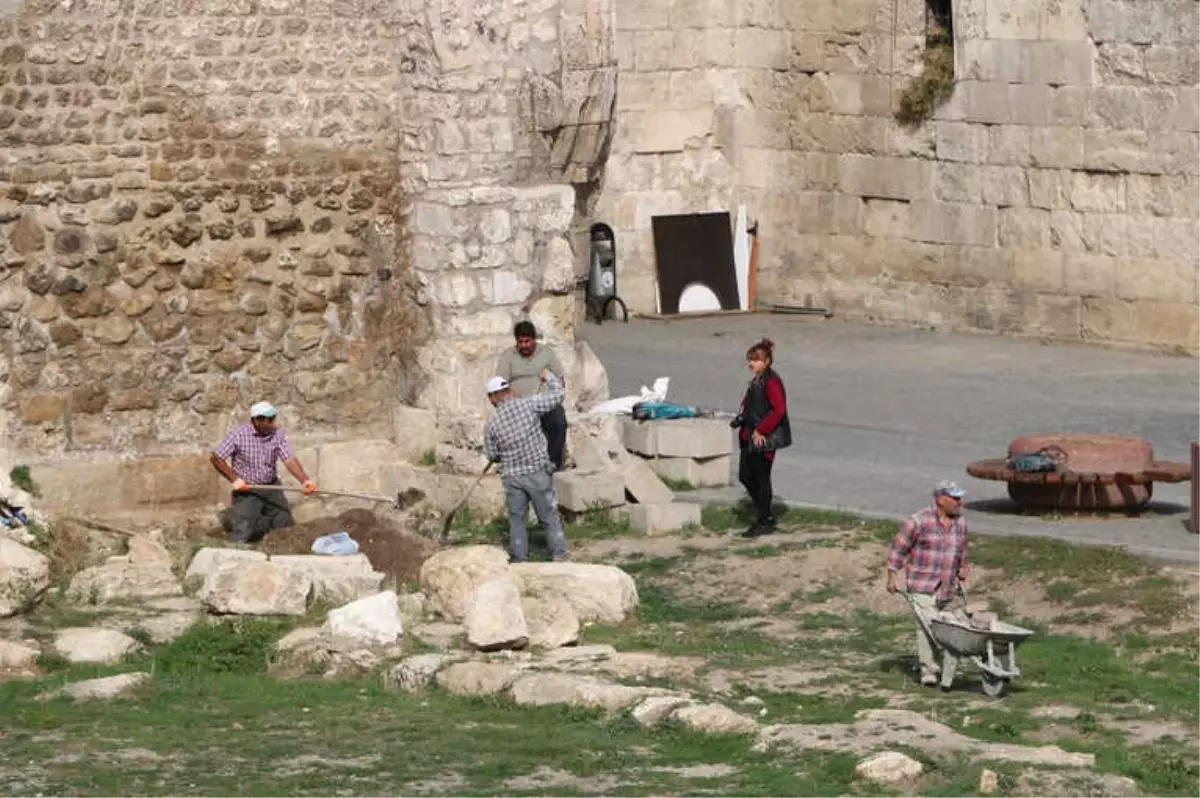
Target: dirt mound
391, 549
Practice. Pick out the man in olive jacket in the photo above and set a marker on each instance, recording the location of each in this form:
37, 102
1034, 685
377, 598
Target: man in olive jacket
522, 366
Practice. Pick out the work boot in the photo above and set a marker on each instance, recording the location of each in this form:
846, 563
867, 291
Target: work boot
758, 530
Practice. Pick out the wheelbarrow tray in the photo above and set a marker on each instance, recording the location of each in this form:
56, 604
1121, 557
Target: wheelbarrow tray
968, 641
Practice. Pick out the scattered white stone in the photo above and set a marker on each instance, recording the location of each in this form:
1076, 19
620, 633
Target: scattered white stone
439, 635
209, 560
450, 577
477, 678
653, 709
373, 621
299, 638
145, 572
576, 655
16, 656
24, 576
602, 593
103, 689
889, 767
552, 622
412, 607
85, 644
494, 618
168, 626
335, 579
540, 689
714, 719
256, 588
417, 672
874, 728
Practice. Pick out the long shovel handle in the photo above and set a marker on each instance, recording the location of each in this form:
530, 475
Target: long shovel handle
444, 535
284, 489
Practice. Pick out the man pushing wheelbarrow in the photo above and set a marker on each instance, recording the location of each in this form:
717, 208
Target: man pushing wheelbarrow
931, 551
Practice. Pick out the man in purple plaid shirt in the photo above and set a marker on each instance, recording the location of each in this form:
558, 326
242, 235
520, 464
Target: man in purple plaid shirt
252, 451
931, 550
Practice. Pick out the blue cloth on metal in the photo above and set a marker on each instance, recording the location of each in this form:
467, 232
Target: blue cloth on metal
653, 411
1034, 463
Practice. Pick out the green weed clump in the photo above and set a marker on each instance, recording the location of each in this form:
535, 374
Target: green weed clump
242, 646
22, 479
934, 85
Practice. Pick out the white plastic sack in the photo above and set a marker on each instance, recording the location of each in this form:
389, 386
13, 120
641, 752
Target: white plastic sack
339, 543
624, 404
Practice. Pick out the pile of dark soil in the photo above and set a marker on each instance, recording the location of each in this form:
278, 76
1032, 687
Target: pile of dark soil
389, 547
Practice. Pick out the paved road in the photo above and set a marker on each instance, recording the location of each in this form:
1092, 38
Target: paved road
881, 414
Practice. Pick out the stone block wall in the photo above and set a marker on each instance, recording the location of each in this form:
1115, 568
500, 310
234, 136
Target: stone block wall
326, 203
1054, 195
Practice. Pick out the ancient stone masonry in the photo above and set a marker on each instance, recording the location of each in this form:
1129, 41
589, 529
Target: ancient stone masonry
1054, 195
203, 204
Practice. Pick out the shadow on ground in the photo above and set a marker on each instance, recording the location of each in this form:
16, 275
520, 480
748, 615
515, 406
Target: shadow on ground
1007, 507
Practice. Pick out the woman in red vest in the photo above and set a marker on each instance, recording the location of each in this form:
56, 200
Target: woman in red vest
763, 428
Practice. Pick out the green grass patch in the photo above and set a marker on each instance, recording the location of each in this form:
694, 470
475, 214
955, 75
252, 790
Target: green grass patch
245, 734
678, 485
22, 479
469, 527
722, 518
1086, 576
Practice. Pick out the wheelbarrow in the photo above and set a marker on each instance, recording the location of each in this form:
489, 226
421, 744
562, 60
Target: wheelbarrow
992, 648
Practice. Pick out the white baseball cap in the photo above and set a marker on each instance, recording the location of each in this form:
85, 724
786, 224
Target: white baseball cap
263, 410
496, 384
948, 488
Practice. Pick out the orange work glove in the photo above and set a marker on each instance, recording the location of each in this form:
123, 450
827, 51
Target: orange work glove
310, 488
239, 486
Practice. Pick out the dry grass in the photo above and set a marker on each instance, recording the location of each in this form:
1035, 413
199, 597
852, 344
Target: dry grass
934, 85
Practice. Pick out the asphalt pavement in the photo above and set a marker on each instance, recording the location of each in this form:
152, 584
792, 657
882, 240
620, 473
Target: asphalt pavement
879, 414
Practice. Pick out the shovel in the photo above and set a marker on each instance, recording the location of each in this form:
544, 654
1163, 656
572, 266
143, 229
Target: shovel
395, 501
449, 519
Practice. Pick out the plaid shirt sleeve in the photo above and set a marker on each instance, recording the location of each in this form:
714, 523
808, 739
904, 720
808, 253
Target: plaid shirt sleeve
961, 565
545, 402
490, 449
228, 446
285, 448
902, 544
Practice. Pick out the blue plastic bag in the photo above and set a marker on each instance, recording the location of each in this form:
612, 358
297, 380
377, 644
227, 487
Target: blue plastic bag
652, 411
337, 543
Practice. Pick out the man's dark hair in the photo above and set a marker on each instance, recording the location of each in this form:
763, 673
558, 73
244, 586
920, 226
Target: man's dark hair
524, 329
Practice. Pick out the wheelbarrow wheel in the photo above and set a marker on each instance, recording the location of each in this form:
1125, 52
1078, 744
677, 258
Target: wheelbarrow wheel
993, 686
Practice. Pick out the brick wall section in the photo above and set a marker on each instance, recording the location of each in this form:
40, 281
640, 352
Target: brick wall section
197, 211
205, 204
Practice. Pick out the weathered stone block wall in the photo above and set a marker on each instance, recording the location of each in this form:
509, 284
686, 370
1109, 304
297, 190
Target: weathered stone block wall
683, 109
1055, 195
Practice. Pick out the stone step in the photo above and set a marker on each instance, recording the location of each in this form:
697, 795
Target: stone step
678, 437
579, 492
699, 472
653, 519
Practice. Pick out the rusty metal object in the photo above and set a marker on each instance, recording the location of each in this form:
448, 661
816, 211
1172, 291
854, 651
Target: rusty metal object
1195, 526
1097, 473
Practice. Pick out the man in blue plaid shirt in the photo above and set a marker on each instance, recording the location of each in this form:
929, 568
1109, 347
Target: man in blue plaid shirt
513, 437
